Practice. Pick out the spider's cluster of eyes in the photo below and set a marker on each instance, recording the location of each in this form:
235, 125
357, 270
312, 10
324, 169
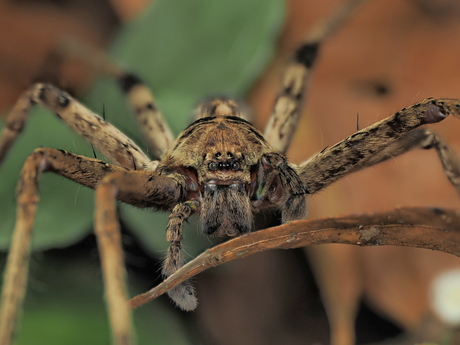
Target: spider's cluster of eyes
226, 165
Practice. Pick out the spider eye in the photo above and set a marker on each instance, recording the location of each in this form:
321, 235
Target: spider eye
236, 165
213, 166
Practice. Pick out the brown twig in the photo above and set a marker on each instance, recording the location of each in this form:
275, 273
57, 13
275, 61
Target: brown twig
430, 228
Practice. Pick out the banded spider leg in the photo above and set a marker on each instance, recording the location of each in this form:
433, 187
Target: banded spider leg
127, 180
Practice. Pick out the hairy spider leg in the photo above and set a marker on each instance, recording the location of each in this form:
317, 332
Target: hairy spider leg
141, 99
103, 136
296, 78
107, 229
111, 142
378, 142
151, 122
424, 139
183, 295
139, 188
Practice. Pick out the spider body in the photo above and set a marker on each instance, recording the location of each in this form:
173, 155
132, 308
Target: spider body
225, 163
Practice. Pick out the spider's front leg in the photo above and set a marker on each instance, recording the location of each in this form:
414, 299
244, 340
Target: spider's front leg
138, 188
387, 138
110, 141
141, 100
85, 171
142, 188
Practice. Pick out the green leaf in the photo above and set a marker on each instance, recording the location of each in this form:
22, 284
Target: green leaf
185, 50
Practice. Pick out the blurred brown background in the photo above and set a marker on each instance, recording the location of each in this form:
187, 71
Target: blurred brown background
389, 55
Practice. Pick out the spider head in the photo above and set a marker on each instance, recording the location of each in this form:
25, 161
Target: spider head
225, 206
229, 199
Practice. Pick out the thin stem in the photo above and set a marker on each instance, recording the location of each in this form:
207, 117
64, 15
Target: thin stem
430, 228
